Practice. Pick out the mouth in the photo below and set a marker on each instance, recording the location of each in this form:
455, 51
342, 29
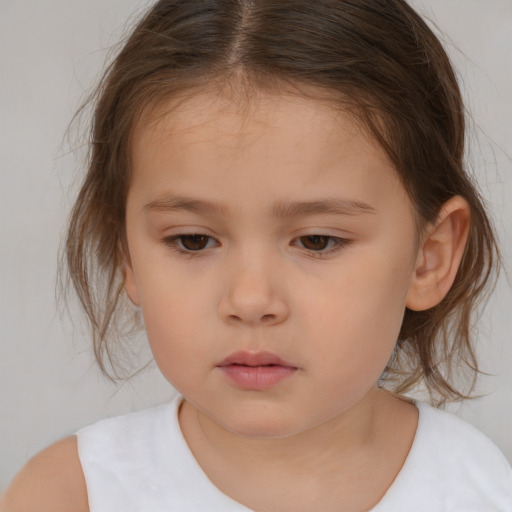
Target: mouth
256, 371
254, 359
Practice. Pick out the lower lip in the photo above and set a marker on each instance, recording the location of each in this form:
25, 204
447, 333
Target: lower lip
257, 377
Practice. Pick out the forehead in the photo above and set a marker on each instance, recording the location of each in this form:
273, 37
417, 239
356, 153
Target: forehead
238, 119
283, 143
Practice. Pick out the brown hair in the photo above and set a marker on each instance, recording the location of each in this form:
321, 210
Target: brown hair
378, 57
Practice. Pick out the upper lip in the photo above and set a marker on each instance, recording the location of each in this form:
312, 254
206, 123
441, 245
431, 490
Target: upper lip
255, 359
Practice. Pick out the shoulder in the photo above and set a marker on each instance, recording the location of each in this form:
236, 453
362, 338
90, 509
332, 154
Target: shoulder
117, 436
51, 481
122, 445
448, 434
456, 455
451, 466
137, 461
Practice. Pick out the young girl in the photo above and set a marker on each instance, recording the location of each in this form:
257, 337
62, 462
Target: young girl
279, 189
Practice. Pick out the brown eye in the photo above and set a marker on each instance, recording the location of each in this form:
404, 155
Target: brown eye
315, 242
194, 242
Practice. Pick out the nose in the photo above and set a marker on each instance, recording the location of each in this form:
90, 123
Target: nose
254, 294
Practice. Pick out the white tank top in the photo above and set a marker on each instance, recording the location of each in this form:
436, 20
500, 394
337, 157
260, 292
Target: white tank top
141, 463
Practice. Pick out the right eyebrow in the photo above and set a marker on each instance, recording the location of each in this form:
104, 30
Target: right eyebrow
169, 204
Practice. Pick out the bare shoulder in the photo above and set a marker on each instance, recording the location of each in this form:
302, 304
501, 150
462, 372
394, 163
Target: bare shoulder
51, 481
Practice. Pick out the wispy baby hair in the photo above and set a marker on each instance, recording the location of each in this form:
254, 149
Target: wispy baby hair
376, 59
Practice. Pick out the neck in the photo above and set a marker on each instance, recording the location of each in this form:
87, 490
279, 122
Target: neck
349, 460
342, 437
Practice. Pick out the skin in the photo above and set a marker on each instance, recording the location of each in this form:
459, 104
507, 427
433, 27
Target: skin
326, 437
52, 481
254, 287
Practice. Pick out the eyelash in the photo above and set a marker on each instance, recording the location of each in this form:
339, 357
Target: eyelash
175, 242
336, 242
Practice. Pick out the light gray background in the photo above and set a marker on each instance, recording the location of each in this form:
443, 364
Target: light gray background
51, 53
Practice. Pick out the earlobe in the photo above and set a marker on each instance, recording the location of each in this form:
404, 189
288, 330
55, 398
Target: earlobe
130, 284
439, 255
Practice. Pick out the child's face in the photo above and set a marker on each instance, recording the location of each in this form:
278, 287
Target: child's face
304, 249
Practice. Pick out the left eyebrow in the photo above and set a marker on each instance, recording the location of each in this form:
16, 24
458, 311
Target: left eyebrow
328, 206
282, 210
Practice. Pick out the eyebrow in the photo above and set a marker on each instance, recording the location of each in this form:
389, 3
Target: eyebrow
169, 204
327, 206
284, 209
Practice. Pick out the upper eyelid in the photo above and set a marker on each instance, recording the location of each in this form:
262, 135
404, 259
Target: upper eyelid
192, 233
339, 241
174, 241
203, 233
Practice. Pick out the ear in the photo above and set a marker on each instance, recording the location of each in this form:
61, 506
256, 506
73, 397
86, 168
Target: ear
130, 285
439, 255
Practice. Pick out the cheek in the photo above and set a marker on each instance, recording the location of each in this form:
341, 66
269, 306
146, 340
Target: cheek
170, 332
176, 315
362, 314
170, 317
